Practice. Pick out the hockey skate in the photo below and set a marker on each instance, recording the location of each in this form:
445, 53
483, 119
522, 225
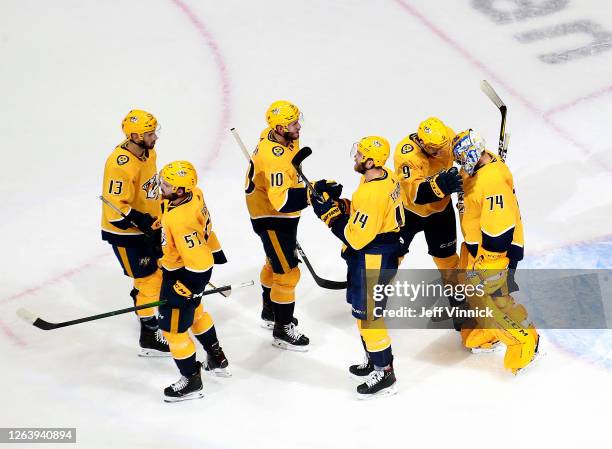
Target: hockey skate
288, 337
185, 388
360, 372
267, 318
216, 362
153, 344
378, 383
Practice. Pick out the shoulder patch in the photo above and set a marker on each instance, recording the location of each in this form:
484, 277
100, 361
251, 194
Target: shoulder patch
407, 148
122, 159
278, 151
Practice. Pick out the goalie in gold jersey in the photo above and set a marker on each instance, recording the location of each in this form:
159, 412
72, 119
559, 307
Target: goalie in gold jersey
190, 249
130, 184
493, 243
369, 226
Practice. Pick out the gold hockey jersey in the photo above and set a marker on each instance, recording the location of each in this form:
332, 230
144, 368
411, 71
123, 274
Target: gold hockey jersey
376, 209
491, 217
269, 179
129, 183
188, 240
413, 166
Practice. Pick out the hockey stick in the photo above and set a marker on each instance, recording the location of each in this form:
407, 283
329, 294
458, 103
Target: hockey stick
148, 234
38, 322
504, 137
321, 282
297, 164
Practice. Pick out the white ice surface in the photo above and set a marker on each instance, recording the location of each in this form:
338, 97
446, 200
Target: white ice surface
71, 70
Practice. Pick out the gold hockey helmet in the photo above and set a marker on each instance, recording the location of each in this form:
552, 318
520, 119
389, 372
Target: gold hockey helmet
138, 122
282, 113
179, 174
372, 147
433, 133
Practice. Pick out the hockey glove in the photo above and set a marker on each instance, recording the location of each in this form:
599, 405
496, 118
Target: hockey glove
328, 211
344, 204
446, 182
329, 186
219, 257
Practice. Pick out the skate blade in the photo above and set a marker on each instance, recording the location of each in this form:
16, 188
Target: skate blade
187, 397
267, 324
146, 352
289, 347
389, 391
218, 372
496, 347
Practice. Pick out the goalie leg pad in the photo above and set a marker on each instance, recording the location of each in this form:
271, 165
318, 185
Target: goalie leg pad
148, 291
519, 355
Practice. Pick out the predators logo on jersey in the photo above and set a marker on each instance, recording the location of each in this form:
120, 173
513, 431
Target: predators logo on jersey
414, 166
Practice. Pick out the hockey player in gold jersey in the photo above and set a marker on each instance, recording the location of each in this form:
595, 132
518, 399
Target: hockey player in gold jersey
130, 184
190, 249
423, 162
275, 196
369, 226
493, 243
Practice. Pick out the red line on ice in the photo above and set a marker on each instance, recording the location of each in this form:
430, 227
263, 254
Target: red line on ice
490, 74
571, 104
9, 333
223, 127
222, 130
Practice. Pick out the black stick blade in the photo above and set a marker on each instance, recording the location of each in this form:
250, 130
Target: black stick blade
300, 156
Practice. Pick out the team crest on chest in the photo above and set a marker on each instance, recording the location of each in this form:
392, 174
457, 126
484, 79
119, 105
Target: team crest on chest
151, 187
278, 151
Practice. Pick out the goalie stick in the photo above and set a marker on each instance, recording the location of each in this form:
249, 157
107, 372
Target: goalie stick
321, 282
504, 137
116, 209
38, 322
